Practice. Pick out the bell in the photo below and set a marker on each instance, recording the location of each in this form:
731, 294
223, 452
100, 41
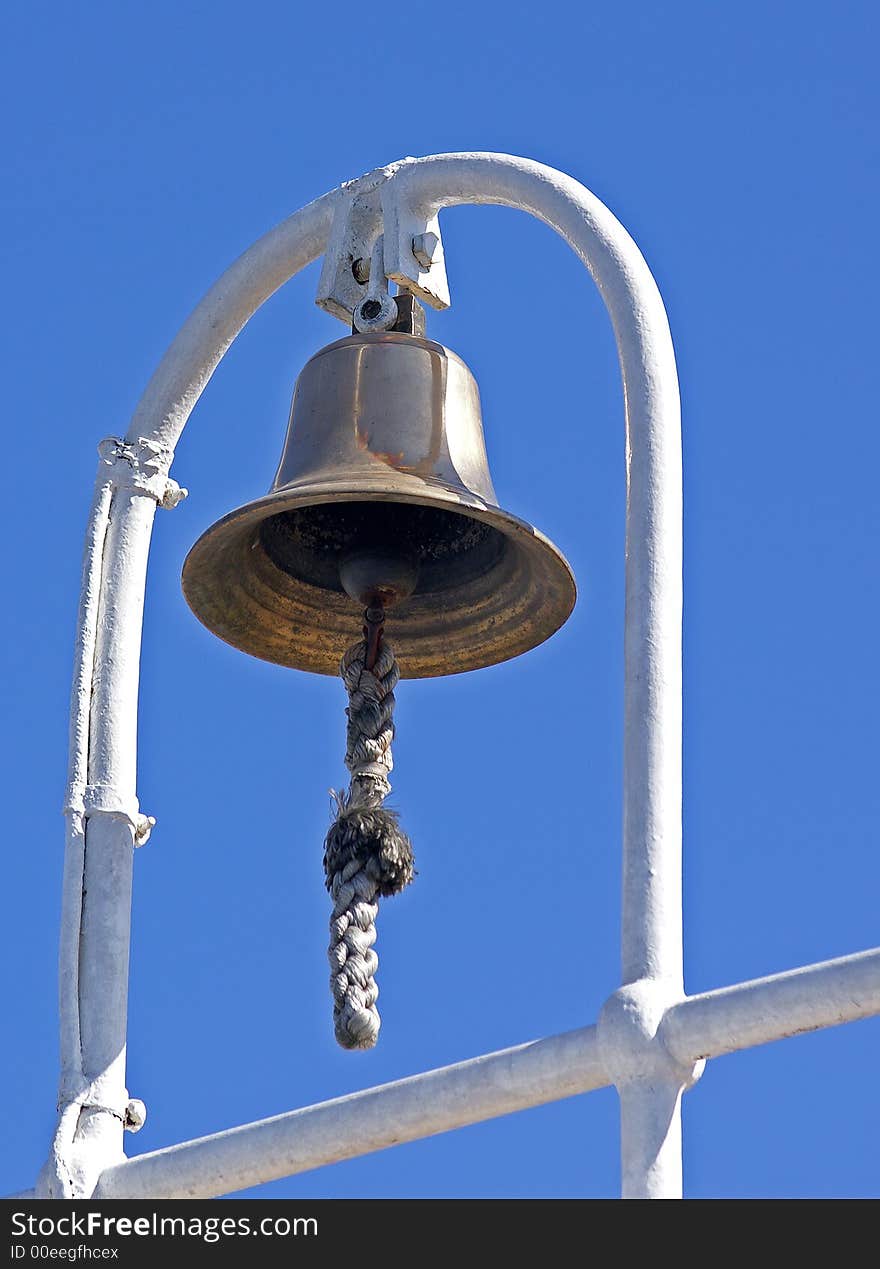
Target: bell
382, 497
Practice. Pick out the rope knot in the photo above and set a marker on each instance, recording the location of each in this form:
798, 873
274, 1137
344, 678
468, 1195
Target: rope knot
372, 838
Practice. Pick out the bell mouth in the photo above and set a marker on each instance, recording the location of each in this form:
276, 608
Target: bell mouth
489, 586
447, 550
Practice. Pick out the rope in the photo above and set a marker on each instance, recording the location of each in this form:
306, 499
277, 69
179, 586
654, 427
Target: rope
366, 853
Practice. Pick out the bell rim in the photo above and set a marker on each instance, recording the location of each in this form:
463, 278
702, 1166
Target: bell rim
525, 537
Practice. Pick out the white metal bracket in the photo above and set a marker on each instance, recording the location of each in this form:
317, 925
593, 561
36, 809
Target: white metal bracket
414, 249
368, 208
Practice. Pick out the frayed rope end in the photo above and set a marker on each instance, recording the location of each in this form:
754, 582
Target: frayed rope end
372, 837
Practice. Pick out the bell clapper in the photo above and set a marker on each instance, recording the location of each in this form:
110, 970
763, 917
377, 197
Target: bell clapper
378, 576
377, 579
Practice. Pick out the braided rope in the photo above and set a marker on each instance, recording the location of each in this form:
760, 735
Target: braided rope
366, 854
370, 721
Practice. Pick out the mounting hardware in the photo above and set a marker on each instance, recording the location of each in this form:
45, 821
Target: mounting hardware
360, 270
425, 247
367, 209
135, 1115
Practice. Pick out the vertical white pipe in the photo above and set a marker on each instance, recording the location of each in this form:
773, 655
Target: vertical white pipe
650, 1139
106, 911
651, 916
77, 779
104, 955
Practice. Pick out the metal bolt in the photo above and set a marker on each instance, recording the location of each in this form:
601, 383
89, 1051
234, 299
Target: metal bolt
145, 826
375, 314
135, 1115
424, 248
360, 269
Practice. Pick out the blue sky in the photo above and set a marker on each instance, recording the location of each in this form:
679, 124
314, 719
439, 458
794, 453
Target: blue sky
145, 147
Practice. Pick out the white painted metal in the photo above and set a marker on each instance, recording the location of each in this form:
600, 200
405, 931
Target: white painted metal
426, 248
72, 1082
647, 1031
651, 933
356, 227
376, 291
110, 833
436, 1101
649, 1081
651, 915
650, 1138
766, 1009
104, 822
103, 817
414, 252
651, 1063
195, 353
77, 780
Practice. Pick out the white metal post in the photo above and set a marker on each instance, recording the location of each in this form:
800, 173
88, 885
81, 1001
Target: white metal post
112, 823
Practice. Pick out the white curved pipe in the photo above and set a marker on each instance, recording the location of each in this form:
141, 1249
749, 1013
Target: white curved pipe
96, 887
197, 349
651, 922
651, 935
651, 926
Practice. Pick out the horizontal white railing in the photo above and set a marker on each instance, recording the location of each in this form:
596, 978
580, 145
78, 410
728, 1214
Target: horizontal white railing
766, 1009
707, 1025
420, 1106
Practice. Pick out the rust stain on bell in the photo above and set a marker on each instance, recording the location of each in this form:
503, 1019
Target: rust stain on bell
384, 453
362, 441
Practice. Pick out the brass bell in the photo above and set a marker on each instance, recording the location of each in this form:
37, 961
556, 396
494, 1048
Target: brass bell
382, 496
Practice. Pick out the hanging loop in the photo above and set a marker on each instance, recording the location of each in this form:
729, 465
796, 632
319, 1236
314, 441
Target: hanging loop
378, 312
